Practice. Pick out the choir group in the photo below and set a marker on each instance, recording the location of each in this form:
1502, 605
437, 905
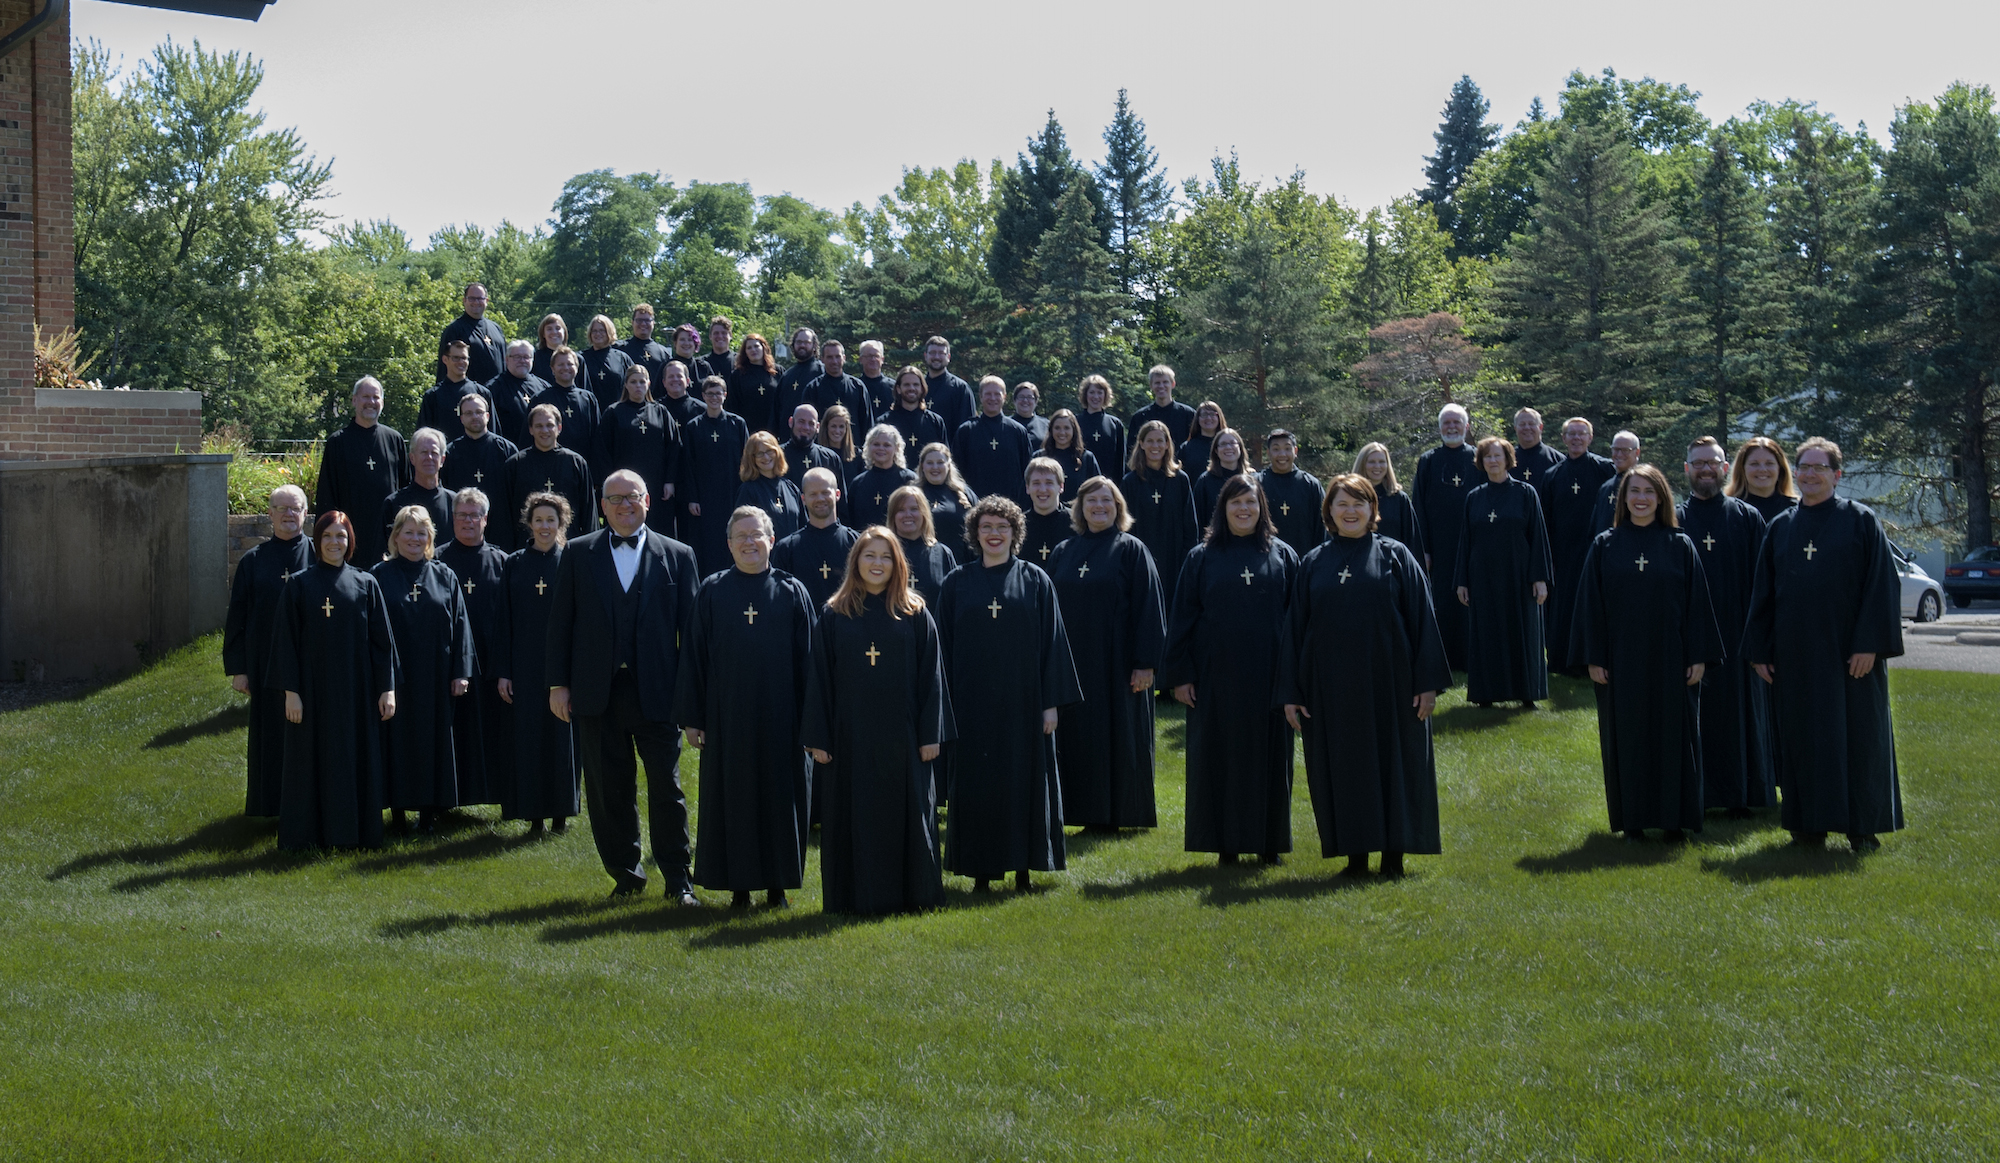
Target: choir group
864, 598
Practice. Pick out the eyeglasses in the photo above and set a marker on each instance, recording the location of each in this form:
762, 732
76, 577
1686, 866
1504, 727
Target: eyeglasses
622, 499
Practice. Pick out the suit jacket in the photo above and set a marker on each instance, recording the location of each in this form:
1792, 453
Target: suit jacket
581, 653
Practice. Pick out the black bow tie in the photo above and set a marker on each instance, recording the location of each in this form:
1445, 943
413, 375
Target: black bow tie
619, 542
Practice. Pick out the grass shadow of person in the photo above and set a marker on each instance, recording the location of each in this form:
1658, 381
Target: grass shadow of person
1785, 861
221, 722
461, 848
272, 860
1223, 885
559, 909
1469, 718
1599, 851
646, 915
1077, 845
228, 834
763, 926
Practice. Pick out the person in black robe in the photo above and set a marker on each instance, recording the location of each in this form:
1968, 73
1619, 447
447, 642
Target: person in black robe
1569, 495
869, 490
832, 387
881, 388
720, 358
359, 467
944, 393
333, 656
551, 334
604, 363
1624, 454
950, 499
686, 345
478, 460
764, 485
803, 451
486, 344
548, 467
1199, 446
794, 383
482, 723
426, 488
439, 407
1296, 495
1534, 460
434, 653
1762, 478
1226, 458
1064, 445
1735, 734
1221, 662
837, 435
1359, 673
929, 562
1111, 607
1395, 516
1007, 655
680, 403
254, 597
1437, 490
548, 773
1825, 611
1161, 500
753, 383
816, 554
712, 444
1027, 397
514, 391
877, 715
739, 700
991, 450
1502, 581
1047, 523
637, 433
912, 419
1178, 417
1103, 433
641, 348
581, 416
1645, 629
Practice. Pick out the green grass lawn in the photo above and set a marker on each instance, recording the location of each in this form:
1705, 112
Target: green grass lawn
175, 988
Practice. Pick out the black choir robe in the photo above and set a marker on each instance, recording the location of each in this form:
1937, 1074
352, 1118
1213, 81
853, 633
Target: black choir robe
439, 407
1601, 510
511, 400
753, 395
603, 374
1104, 438
254, 597
793, 389
1533, 466
868, 494
1008, 660
713, 448
1437, 490
358, 470
881, 395
1735, 727
802, 456
559, 470
1078, 465
334, 648
1045, 532
1569, 497
646, 439
1360, 644
481, 463
1826, 588
1037, 428
540, 368
816, 557
929, 565
482, 729
1178, 417
743, 683
433, 647
1194, 453
649, 354
713, 363
825, 391
993, 454
951, 398
1643, 614
1162, 509
919, 426
1769, 507
580, 421
777, 497
548, 773
875, 694
1296, 499
1207, 494
485, 343
1502, 551
1396, 518
948, 510
437, 502
1112, 611
1224, 637
683, 407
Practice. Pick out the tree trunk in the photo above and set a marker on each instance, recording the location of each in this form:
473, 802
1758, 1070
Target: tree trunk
1972, 469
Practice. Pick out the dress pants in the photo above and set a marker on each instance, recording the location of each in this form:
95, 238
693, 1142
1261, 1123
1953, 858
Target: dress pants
611, 788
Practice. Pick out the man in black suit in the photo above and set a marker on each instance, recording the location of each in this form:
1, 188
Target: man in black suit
623, 605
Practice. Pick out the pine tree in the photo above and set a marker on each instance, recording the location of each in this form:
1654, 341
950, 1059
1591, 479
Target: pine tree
1733, 294
1029, 194
1372, 299
1461, 138
1078, 300
1586, 304
1135, 189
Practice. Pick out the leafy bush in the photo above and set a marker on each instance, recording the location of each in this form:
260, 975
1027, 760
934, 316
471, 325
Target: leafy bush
253, 475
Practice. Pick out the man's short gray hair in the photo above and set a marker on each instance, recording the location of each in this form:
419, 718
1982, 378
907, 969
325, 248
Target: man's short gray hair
366, 382
753, 512
471, 497
520, 345
1453, 410
291, 491
427, 433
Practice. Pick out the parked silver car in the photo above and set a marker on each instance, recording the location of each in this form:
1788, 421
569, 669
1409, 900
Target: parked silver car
1923, 598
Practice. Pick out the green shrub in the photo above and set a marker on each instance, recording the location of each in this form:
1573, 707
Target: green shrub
253, 475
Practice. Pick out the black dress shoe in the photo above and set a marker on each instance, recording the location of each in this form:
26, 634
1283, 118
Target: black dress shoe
1226, 858
1272, 858
1809, 839
629, 888
1392, 864
981, 884
776, 899
427, 824
687, 900
1357, 866
1635, 835
1021, 882
560, 826
739, 900
535, 830
1864, 842
1673, 835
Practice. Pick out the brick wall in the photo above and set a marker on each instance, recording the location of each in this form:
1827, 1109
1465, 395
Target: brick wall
77, 424
246, 532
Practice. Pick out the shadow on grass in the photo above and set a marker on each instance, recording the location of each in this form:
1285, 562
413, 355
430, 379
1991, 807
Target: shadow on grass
1565, 694
561, 909
272, 860
802, 927
221, 722
1220, 886
1783, 862
228, 834
1601, 850
1078, 845
420, 854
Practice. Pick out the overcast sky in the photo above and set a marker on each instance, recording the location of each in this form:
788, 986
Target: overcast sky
450, 111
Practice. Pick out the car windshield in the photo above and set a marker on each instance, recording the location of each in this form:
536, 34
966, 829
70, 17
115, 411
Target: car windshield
1984, 553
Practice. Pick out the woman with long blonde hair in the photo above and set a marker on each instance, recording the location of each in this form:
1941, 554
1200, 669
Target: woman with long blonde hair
434, 655
1762, 478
